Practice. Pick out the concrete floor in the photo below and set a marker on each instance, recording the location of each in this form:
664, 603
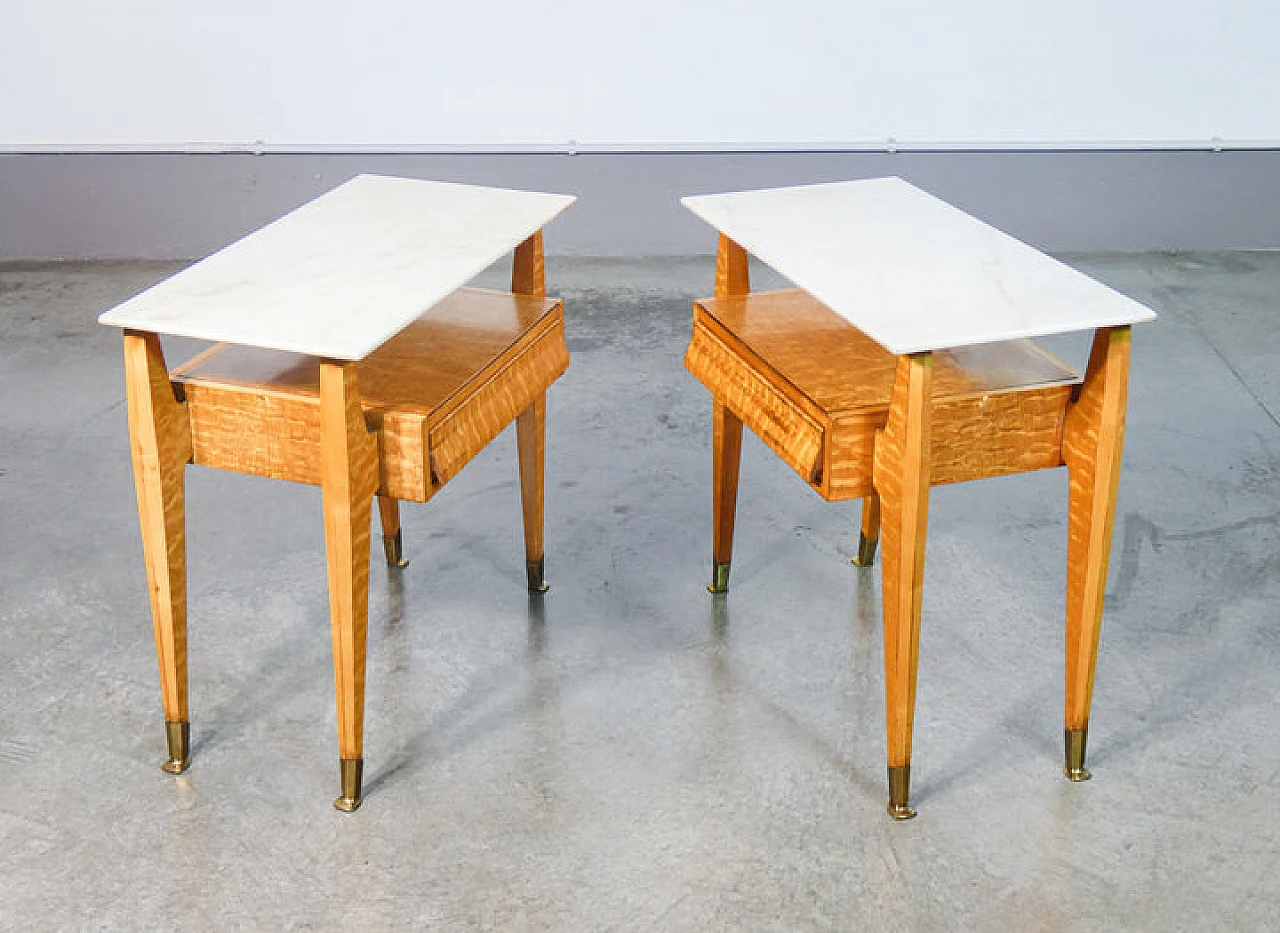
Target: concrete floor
629, 753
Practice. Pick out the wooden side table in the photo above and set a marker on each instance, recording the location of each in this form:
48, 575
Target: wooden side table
900, 363
349, 357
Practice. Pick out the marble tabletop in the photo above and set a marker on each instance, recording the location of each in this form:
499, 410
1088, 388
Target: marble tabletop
342, 274
910, 270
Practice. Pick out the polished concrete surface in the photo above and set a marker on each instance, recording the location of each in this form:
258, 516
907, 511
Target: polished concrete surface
628, 752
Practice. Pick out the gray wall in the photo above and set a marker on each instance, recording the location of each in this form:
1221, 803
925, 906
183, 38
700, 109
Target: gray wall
172, 206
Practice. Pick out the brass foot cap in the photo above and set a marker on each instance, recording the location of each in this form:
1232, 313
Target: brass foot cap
1073, 765
900, 811
352, 770
866, 551
719, 579
899, 792
535, 570
393, 547
178, 736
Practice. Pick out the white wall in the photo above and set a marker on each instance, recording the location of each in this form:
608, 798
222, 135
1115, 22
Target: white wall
319, 75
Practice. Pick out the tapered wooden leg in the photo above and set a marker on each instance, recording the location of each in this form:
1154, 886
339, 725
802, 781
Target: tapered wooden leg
531, 435
1092, 443
733, 270
349, 479
528, 268
869, 537
733, 280
392, 539
901, 476
529, 277
726, 455
160, 444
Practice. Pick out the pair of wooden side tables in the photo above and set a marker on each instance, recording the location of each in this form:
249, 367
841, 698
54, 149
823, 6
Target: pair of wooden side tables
350, 355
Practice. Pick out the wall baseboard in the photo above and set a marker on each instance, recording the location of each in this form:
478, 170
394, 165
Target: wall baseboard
178, 206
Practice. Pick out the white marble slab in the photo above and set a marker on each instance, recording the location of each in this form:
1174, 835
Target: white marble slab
908, 269
342, 274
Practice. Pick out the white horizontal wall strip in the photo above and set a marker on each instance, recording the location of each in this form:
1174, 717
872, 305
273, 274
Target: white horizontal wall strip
659, 76
574, 148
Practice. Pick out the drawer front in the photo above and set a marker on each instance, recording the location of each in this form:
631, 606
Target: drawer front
489, 407
745, 390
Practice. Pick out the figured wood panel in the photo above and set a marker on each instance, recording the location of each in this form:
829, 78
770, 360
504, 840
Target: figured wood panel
257, 411
275, 435
850, 457
973, 438
995, 435
793, 434
843, 371
402, 455
998, 408
419, 369
263, 433
494, 404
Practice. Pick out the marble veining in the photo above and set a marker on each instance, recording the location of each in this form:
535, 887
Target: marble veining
344, 273
910, 270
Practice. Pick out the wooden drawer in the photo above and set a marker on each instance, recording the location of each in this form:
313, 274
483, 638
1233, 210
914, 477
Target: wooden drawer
762, 399
484, 409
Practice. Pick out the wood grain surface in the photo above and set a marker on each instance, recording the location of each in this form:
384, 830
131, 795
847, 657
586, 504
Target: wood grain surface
463, 335
1093, 442
733, 279
349, 479
778, 418
528, 268
843, 371
455, 377
389, 516
815, 390
733, 274
869, 529
902, 480
160, 445
995, 435
531, 440
493, 404
726, 456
